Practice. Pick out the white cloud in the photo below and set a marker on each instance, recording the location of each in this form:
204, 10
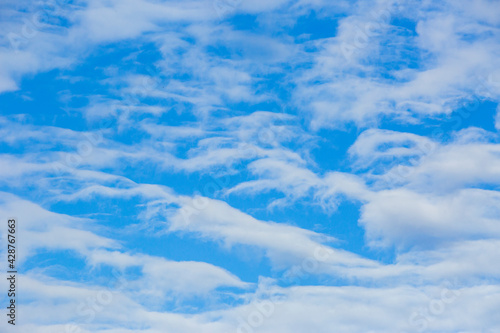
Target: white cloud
42, 229
449, 67
405, 218
376, 145
464, 261
439, 218
160, 277
284, 245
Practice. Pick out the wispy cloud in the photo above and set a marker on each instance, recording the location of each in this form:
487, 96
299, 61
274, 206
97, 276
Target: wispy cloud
252, 166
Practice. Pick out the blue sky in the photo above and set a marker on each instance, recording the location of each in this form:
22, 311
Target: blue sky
252, 166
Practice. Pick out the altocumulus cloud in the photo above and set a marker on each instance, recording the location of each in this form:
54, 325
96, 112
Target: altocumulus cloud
251, 166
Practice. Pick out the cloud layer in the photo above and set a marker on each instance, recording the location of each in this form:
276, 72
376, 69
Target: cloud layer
265, 166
